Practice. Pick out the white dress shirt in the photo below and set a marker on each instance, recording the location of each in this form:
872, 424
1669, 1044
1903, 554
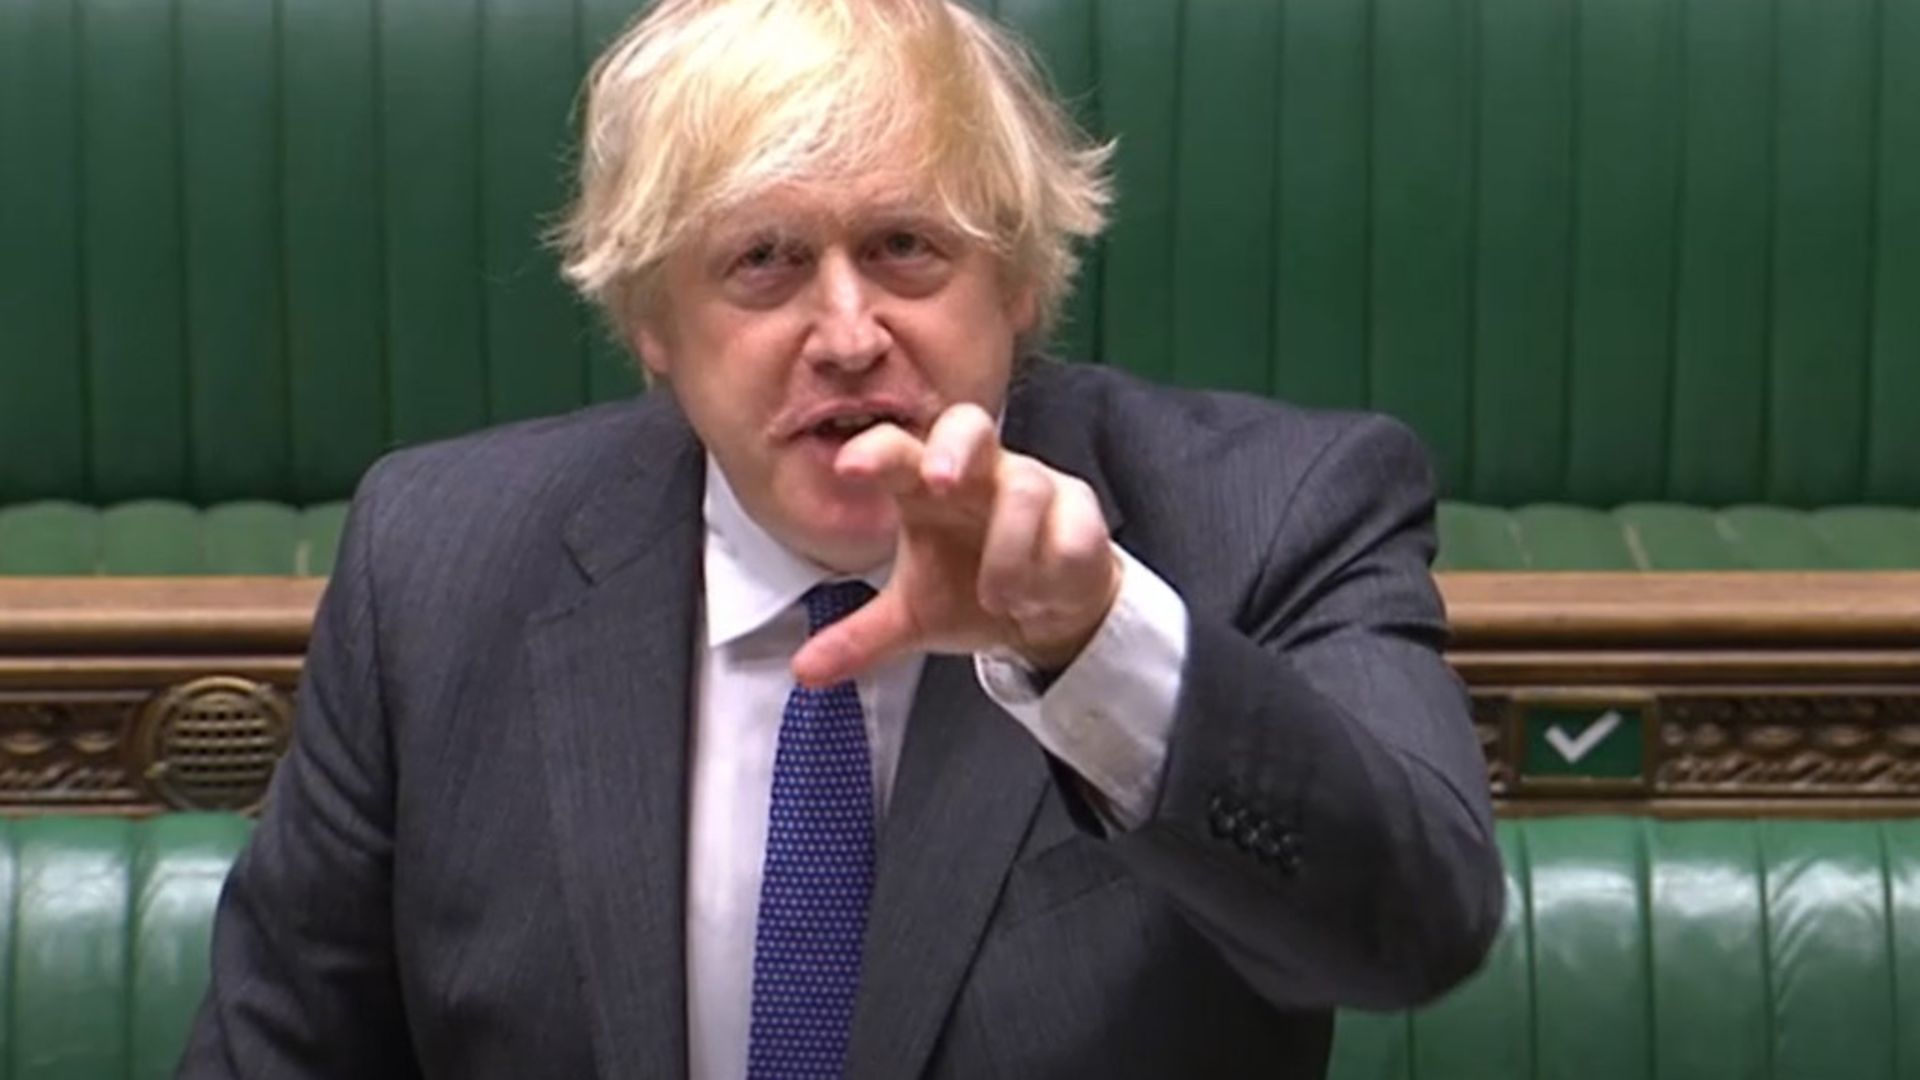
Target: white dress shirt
1107, 716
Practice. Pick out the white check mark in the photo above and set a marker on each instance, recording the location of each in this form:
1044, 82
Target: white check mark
1574, 748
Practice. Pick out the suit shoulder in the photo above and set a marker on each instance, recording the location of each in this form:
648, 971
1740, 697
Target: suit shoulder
1208, 483
520, 464
496, 496
1145, 426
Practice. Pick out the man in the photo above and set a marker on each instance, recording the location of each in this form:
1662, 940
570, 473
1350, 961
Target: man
1139, 760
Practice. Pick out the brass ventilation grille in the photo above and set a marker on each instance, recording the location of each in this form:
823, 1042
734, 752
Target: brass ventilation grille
212, 744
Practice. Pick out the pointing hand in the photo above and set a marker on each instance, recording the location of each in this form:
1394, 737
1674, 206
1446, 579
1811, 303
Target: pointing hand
996, 550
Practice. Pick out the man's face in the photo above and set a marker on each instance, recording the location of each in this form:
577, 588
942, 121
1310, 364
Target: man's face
809, 314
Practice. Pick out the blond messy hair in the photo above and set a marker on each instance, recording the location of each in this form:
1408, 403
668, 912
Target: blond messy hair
702, 105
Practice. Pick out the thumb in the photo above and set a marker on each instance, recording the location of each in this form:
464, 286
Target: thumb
880, 629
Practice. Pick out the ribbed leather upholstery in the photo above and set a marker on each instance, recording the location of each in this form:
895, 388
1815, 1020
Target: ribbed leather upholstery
1597, 251
1632, 950
1639, 950
1666, 536
104, 926
154, 536
248, 245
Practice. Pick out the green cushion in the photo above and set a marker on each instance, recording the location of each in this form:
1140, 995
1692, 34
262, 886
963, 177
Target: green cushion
319, 538
1709, 977
70, 986
160, 537
1707, 950
1631, 949
1666, 536
105, 925
49, 538
251, 538
152, 537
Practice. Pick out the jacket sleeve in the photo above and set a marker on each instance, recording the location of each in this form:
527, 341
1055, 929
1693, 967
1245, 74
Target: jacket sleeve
1324, 816
303, 980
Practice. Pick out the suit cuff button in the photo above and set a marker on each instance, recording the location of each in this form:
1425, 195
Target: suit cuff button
1287, 853
1270, 847
1223, 816
1252, 835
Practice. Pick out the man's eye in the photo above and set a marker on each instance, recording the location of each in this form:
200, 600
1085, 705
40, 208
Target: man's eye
904, 245
768, 257
760, 256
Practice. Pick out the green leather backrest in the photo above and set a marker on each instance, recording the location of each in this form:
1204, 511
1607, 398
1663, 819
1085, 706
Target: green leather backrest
1597, 251
1632, 950
248, 245
104, 926
1639, 950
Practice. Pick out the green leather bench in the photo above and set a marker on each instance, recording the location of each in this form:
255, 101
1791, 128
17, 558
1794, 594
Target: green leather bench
104, 927
164, 537
1632, 951
1640, 271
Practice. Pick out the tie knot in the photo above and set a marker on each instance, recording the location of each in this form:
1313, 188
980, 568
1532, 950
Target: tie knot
829, 602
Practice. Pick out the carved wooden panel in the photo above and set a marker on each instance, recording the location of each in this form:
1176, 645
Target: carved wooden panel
1694, 745
1778, 744
67, 750
1490, 727
1689, 693
208, 743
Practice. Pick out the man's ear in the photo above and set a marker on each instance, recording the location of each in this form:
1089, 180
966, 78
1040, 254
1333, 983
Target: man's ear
641, 321
649, 343
1023, 310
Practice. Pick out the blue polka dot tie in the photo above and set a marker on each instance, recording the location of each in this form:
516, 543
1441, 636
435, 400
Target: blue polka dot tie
818, 873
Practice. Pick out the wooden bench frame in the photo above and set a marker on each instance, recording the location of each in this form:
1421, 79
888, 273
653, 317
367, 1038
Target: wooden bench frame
1765, 693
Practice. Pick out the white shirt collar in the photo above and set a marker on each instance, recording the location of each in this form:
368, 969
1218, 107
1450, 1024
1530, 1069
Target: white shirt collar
751, 578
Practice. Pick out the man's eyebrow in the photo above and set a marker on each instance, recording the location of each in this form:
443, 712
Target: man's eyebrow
792, 228
753, 232
914, 211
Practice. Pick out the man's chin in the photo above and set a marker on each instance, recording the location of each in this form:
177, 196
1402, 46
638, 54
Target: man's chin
854, 552
848, 535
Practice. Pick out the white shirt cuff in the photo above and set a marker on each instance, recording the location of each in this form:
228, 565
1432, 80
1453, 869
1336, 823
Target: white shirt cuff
1109, 715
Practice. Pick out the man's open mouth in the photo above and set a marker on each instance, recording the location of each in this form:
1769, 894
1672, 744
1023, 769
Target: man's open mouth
845, 426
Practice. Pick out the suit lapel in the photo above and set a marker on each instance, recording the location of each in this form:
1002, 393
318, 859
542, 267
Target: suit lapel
609, 669
968, 783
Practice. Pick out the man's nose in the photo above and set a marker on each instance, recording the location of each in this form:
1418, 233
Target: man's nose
847, 331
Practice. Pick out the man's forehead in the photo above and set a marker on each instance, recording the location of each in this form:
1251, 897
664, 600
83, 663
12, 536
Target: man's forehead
827, 205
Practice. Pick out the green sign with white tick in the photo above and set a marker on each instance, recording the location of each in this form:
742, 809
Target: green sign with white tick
1597, 742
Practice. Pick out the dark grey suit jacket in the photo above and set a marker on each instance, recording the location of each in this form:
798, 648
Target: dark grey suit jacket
472, 863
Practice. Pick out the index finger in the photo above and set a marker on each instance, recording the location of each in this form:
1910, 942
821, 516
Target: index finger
964, 446
884, 454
